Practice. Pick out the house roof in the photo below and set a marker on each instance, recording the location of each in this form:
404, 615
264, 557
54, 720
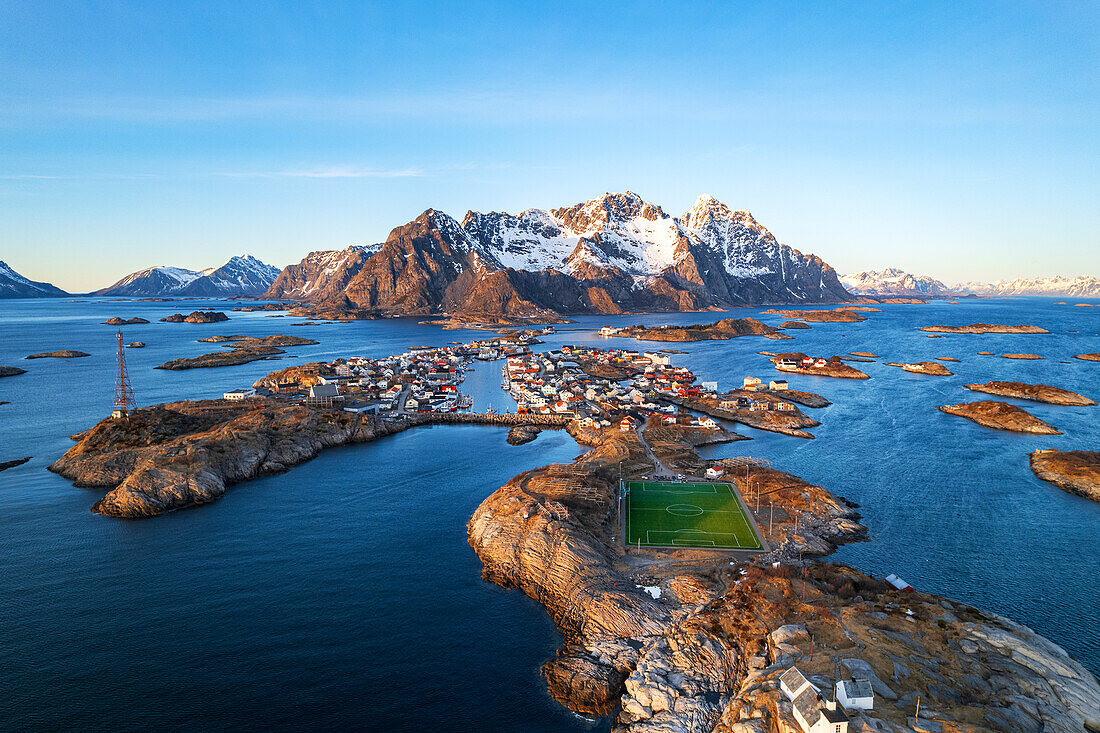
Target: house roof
807, 705
793, 679
857, 688
324, 390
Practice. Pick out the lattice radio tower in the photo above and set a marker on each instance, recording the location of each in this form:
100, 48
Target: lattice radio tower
124, 393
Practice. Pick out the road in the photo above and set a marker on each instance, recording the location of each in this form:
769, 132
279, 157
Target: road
661, 471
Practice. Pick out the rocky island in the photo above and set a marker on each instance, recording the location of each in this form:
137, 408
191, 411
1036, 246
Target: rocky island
1001, 416
932, 368
794, 324
5, 465
720, 330
117, 321
1088, 357
799, 363
6, 371
1026, 357
62, 354
197, 317
985, 328
1034, 392
838, 315
1075, 471
242, 350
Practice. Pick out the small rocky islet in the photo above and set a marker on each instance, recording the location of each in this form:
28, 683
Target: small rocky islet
242, 350
1035, 392
932, 368
979, 328
60, 354
8, 371
720, 330
1001, 416
847, 314
197, 317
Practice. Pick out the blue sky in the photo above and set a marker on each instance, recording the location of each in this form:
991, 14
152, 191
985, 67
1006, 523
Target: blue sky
960, 140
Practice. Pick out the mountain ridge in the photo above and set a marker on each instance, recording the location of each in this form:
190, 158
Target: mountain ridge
610, 254
14, 285
242, 275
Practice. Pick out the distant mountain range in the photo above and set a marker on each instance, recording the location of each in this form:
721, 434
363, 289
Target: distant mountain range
241, 276
612, 254
14, 285
894, 282
1057, 286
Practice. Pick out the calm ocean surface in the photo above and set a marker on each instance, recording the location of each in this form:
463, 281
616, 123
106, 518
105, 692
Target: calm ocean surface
343, 595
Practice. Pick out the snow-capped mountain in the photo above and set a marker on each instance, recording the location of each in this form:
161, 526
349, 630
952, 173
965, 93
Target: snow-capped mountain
895, 282
244, 275
616, 252
14, 285
1081, 286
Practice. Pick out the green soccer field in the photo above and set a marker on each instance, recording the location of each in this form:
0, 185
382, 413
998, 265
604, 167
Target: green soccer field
670, 514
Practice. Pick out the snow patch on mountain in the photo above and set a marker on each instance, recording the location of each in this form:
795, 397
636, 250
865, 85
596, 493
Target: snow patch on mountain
1082, 286
895, 282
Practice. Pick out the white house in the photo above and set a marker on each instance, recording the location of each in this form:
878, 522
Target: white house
714, 472
239, 394
855, 694
813, 714
778, 384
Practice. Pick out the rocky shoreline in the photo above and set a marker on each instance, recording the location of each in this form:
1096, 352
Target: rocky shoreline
976, 328
932, 368
838, 315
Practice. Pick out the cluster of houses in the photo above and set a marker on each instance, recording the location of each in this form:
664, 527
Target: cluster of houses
558, 382
787, 364
752, 385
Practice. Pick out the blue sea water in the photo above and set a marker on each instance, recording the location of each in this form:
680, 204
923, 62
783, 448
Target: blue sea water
343, 595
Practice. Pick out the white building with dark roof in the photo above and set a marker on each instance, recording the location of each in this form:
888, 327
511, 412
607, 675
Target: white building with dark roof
814, 713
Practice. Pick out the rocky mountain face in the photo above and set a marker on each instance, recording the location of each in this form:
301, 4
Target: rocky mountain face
612, 254
1081, 286
14, 285
240, 276
319, 273
895, 282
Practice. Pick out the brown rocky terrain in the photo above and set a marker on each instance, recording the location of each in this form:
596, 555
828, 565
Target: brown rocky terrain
839, 315
197, 317
117, 321
1088, 357
521, 434
834, 367
1075, 471
242, 350
62, 354
1034, 392
6, 371
788, 422
184, 454
794, 324
865, 354
1001, 416
687, 641
136, 345
720, 330
1030, 357
985, 353
924, 367
946, 358
299, 375
986, 328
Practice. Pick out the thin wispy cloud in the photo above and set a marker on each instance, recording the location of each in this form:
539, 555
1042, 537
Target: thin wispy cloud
334, 172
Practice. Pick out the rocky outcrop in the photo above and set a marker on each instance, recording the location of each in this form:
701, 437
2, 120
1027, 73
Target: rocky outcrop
197, 317
244, 349
1088, 357
61, 354
932, 368
118, 321
1001, 416
1033, 392
6, 371
4, 465
1026, 357
838, 315
719, 331
834, 366
1075, 471
184, 454
136, 345
985, 328
522, 434
794, 324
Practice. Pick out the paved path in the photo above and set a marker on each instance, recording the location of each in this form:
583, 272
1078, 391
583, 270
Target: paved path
660, 470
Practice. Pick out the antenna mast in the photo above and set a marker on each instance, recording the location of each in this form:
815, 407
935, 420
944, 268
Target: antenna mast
124, 393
